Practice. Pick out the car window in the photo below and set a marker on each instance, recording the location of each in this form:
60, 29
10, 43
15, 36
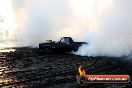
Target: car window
65, 40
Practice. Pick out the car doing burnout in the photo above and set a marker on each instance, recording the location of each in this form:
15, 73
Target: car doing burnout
65, 44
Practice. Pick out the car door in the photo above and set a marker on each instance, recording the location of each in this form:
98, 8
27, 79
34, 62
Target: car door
64, 45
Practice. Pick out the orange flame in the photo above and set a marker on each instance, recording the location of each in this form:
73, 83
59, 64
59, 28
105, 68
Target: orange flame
81, 71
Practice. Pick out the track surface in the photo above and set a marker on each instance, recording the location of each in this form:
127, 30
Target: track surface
32, 69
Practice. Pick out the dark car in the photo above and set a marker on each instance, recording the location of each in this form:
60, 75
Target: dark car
65, 44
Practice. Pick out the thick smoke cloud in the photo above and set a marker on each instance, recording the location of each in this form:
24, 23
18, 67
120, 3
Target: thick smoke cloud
114, 36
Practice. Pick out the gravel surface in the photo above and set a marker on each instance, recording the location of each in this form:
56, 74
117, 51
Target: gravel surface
34, 69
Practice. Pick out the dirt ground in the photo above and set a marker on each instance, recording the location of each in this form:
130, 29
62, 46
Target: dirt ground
33, 69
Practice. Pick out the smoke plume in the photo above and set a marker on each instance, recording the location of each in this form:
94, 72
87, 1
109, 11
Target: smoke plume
113, 36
